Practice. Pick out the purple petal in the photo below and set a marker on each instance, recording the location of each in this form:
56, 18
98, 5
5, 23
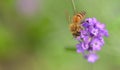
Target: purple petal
94, 31
90, 21
79, 48
102, 40
86, 39
96, 44
100, 26
85, 24
85, 46
83, 33
94, 20
103, 32
92, 58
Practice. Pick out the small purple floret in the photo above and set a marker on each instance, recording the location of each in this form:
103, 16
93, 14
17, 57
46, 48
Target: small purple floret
92, 58
79, 48
96, 44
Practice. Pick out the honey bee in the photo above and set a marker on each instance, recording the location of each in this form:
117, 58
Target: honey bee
75, 26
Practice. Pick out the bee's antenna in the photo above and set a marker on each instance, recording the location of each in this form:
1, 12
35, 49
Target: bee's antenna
74, 8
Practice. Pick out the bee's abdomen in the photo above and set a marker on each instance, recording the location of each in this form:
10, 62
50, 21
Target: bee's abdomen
81, 15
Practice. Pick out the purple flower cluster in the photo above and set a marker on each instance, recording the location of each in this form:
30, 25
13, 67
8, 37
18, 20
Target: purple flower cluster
91, 39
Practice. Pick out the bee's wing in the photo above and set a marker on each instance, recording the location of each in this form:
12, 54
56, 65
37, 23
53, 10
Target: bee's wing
68, 18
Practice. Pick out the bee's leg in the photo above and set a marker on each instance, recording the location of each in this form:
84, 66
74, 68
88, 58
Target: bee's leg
74, 34
78, 33
82, 28
78, 28
69, 19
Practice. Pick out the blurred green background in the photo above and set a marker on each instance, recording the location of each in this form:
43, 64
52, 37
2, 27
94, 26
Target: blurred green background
34, 35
